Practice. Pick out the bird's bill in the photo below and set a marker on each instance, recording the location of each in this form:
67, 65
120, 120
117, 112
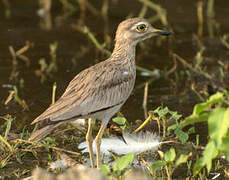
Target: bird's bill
161, 32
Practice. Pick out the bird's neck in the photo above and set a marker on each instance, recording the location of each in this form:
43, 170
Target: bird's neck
124, 50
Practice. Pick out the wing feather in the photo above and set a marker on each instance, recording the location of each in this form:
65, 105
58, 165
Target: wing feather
95, 88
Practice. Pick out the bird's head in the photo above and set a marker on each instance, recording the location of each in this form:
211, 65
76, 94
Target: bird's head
134, 30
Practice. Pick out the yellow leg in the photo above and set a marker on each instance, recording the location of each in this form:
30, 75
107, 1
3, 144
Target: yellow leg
98, 143
89, 140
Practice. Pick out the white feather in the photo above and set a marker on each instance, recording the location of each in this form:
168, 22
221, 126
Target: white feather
59, 164
134, 143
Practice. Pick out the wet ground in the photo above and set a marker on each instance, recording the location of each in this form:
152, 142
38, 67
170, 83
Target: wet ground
75, 52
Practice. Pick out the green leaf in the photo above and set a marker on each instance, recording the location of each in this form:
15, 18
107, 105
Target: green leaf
183, 137
199, 108
209, 154
160, 111
123, 127
174, 126
226, 93
225, 147
198, 166
182, 159
195, 119
105, 169
170, 155
218, 124
175, 115
123, 162
157, 164
163, 111
191, 130
119, 120
116, 173
161, 154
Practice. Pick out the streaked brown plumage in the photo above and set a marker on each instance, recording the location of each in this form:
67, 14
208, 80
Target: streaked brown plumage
99, 91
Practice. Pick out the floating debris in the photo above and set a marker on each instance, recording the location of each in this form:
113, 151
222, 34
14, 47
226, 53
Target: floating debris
10, 86
41, 12
154, 73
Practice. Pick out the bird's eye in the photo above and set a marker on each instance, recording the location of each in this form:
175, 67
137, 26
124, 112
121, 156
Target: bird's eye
141, 28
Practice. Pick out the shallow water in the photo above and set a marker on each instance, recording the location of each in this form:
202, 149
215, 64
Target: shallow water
76, 52
24, 25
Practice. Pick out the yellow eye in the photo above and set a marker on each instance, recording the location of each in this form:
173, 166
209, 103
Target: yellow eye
141, 28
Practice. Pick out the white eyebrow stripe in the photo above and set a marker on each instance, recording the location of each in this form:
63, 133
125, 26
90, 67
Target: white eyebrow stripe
135, 26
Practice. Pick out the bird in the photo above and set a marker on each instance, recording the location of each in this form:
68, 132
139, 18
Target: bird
98, 92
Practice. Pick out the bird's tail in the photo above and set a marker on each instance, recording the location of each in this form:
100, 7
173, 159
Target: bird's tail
41, 133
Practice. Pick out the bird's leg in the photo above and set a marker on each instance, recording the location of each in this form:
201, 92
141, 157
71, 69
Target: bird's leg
98, 142
89, 139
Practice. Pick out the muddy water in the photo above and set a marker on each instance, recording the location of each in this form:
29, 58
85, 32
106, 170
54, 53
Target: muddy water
25, 25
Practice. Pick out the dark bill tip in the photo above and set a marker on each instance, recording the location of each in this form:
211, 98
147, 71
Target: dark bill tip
164, 33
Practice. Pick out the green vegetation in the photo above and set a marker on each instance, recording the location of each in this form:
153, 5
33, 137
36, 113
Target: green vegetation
197, 159
214, 112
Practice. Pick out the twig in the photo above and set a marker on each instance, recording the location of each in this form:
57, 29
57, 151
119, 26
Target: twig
9, 120
211, 16
173, 68
105, 7
224, 41
82, 5
53, 92
190, 67
158, 125
143, 11
197, 93
41, 145
13, 54
67, 151
10, 97
143, 124
92, 8
23, 49
200, 17
160, 11
19, 53
3, 140
210, 8
146, 165
95, 41
164, 128
46, 4
167, 172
